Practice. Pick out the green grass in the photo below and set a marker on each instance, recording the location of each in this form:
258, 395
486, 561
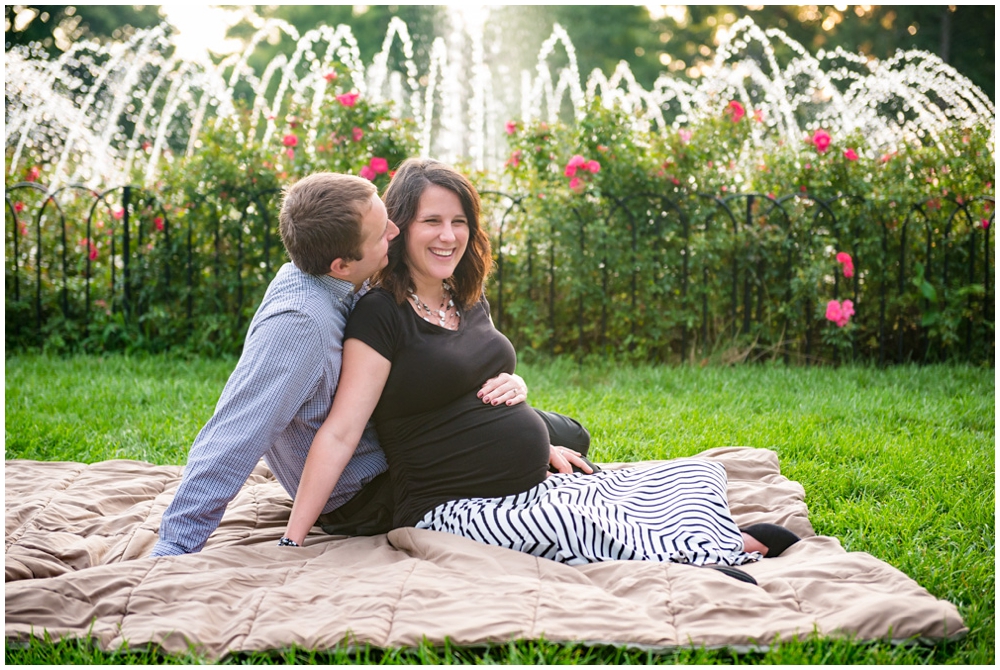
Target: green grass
899, 463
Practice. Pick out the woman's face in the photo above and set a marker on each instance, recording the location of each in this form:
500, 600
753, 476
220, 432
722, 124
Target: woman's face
436, 238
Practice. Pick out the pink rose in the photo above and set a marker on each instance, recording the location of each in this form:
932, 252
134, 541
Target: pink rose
846, 311
368, 172
348, 99
18, 206
357, 133
985, 223
33, 173
330, 76
118, 212
575, 183
290, 140
158, 222
515, 158
850, 155
685, 135
736, 111
845, 259
380, 165
821, 139
839, 313
570, 171
510, 127
593, 166
758, 115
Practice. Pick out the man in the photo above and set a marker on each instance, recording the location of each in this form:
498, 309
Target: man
336, 232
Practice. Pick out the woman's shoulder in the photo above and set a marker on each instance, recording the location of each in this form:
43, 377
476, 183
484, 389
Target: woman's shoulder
376, 298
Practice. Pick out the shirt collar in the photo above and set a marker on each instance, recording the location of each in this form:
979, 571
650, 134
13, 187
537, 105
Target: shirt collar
341, 289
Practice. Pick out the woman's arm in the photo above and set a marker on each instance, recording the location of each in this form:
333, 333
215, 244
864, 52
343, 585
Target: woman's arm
362, 378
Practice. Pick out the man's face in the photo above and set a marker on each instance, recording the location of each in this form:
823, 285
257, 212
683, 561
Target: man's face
376, 232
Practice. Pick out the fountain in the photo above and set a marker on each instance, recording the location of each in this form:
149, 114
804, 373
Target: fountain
98, 113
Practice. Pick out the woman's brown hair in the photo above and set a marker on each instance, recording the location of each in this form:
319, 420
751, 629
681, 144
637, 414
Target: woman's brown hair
402, 198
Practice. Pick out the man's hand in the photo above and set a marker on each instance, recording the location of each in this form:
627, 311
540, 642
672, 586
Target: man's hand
563, 460
504, 388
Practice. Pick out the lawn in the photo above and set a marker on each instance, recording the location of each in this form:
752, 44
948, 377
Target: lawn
899, 463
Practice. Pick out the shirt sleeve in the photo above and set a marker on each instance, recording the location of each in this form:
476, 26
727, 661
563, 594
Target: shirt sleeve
280, 369
376, 322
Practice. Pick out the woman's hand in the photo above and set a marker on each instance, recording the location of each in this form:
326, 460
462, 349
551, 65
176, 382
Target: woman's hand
504, 388
563, 459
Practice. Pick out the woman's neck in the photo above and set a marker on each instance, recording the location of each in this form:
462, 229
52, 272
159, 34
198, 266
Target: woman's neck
429, 289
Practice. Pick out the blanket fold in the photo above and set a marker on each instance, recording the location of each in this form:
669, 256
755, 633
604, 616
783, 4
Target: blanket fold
78, 538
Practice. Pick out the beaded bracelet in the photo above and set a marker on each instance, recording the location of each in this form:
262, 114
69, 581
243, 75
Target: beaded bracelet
285, 542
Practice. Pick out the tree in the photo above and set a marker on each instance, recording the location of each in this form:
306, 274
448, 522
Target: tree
55, 27
368, 23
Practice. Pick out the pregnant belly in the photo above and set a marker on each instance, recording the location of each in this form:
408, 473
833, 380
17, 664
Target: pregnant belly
467, 449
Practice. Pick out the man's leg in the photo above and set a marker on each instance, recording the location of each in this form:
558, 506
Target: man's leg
565, 431
368, 513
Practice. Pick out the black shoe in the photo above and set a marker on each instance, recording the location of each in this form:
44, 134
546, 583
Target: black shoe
735, 573
776, 538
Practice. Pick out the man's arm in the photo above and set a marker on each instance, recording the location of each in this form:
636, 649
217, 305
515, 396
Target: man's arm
278, 372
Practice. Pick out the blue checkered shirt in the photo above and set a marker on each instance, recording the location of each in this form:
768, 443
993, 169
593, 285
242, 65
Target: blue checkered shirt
273, 404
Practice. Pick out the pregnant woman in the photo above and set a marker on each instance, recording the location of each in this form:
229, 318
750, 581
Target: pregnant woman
418, 348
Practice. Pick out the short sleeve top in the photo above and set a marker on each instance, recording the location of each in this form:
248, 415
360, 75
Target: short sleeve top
441, 441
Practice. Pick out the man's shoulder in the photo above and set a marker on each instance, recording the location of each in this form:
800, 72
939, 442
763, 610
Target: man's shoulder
292, 290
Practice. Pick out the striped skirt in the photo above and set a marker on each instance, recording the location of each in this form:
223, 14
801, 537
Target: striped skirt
676, 512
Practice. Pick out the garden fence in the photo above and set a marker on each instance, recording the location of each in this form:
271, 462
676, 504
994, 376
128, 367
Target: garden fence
693, 278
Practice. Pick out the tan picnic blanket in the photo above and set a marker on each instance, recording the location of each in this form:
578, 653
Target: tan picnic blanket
77, 537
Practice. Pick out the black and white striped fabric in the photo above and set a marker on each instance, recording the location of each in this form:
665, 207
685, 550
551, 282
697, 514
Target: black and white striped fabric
673, 512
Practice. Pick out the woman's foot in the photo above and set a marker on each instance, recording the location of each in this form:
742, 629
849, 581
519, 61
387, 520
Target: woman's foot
768, 538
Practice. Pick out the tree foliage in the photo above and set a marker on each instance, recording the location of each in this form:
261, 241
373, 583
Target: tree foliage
56, 27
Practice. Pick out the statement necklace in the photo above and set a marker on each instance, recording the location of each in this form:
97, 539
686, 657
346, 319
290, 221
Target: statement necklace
441, 314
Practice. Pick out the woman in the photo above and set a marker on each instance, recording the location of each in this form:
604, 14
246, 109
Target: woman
416, 351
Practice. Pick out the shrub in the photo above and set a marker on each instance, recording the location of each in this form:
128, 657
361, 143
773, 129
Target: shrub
714, 241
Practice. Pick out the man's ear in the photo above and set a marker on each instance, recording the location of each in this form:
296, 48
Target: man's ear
341, 269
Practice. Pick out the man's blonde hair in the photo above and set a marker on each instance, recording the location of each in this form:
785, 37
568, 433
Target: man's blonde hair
320, 219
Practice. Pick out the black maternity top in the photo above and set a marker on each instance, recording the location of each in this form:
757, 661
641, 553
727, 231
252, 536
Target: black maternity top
442, 442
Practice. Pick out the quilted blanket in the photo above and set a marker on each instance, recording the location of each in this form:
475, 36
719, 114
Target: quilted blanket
78, 538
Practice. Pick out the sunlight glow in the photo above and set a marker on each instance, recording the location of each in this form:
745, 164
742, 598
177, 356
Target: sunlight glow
202, 28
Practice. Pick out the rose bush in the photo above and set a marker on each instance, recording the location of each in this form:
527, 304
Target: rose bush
699, 243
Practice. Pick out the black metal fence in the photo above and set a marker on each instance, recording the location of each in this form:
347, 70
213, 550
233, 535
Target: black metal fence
660, 277
748, 276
